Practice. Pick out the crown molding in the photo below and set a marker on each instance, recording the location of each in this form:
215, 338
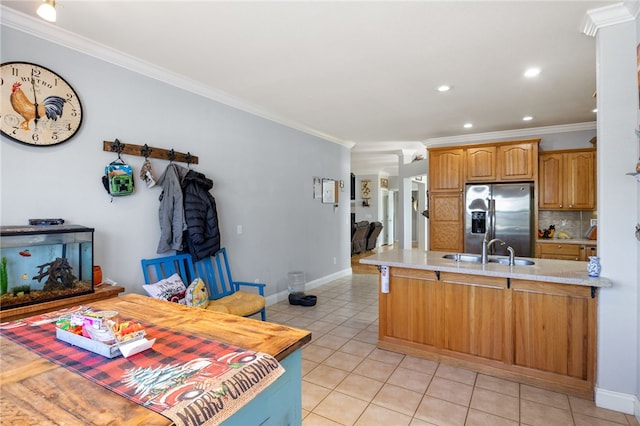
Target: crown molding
609, 15
50, 32
508, 134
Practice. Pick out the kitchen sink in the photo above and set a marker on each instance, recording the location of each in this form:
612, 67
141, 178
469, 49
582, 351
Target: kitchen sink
462, 257
505, 261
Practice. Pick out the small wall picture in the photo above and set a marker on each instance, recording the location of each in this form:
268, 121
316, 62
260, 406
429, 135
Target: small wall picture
384, 183
329, 191
365, 189
317, 188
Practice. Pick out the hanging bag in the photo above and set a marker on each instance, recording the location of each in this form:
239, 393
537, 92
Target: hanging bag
118, 178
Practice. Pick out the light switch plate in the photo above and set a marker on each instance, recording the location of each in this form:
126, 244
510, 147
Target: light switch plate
593, 222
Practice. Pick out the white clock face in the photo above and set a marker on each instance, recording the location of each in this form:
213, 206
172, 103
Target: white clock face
37, 106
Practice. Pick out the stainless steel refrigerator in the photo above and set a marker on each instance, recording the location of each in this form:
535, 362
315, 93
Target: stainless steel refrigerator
505, 211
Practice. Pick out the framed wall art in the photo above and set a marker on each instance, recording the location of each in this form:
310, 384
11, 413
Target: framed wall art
329, 192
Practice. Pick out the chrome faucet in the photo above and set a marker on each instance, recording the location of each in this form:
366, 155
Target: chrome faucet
486, 246
512, 255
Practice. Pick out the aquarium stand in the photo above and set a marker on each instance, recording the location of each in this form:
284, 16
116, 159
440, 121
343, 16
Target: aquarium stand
100, 293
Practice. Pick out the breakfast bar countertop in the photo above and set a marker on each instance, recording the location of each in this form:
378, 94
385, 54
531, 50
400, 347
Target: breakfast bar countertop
547, 270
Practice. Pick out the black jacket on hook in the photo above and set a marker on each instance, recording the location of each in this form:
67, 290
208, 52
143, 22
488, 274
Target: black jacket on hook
202, 236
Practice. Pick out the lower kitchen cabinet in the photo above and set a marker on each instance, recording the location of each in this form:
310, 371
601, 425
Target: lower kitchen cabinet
539, 333
566, 251
473, 315
555, 328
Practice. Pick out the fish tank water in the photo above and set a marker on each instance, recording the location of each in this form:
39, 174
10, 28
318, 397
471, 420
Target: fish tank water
44, 263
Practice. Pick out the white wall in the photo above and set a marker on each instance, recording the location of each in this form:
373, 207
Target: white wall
618, 198
262, 173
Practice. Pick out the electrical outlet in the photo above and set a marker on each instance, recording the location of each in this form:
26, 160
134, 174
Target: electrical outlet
335, 261
239, 229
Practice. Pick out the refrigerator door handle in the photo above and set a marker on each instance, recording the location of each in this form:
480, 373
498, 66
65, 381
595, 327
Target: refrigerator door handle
492, 219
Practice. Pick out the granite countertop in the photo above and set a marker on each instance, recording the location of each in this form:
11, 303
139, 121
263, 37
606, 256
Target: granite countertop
549, 270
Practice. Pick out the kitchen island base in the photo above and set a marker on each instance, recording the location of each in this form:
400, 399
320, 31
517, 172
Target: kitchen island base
532, 332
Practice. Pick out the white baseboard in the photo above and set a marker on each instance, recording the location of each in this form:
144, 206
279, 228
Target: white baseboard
284, 294
622, 402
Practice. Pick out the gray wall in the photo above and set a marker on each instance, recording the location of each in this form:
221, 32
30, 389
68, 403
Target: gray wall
262, 173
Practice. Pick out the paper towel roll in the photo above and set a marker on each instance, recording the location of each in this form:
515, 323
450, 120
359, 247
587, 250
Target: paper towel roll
384, 279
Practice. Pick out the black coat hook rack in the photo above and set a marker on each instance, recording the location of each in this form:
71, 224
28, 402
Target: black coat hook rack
148, 152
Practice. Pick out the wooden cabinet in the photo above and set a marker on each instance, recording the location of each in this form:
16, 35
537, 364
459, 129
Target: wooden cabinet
518, 162
554, 329
473, 317
587, 251
567, 180
404, 312
540, 333
446, 222
507, 161
563, 251
566, 251
481, 163
446, 167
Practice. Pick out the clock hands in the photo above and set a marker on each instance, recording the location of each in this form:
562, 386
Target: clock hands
35, 100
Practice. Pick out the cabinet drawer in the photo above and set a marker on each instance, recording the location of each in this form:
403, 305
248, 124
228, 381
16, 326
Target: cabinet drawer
560, 249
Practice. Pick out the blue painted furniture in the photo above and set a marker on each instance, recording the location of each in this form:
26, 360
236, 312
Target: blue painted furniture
216, 273
225, 294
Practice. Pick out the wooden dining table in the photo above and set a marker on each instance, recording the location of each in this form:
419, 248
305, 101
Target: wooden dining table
35, 391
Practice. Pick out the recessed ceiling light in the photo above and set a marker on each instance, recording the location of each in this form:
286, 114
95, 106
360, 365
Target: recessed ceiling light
532, 72
527, 118
468, 125
444, 88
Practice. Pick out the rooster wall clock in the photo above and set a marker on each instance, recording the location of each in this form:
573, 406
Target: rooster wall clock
37, 106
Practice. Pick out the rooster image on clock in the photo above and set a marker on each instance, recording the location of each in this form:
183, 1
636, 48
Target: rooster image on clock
38, 107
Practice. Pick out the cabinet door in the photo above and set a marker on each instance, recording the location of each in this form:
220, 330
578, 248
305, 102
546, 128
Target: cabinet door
446, 222
481, 164
560, 251
446, 170
588, 251
517, 162
554, 328
581, 180
474, 314
551, 182
409, 311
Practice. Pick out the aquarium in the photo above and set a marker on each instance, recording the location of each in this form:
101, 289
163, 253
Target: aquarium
43, 263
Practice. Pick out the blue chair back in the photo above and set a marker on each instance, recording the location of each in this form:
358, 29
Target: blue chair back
216, 274
163, 267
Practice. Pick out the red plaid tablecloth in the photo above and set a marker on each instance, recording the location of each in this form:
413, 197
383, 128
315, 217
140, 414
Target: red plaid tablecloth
189, 379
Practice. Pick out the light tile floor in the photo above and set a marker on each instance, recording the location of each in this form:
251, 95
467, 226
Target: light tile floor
348, 381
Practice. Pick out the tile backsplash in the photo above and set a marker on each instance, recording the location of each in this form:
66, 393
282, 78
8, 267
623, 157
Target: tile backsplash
574, 223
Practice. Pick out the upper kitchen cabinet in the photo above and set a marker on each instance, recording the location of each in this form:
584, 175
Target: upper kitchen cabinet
502, 161
446, 170
518, 161
567, 180
481, 163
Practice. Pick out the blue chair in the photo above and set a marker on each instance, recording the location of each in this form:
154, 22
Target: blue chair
226, 293
157, 269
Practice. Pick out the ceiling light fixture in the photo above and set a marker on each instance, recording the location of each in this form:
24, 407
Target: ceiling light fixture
468, 125
527, 118
444, 88
532, 72
47, 10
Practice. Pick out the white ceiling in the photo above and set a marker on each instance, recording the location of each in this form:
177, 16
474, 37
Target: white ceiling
363, 72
